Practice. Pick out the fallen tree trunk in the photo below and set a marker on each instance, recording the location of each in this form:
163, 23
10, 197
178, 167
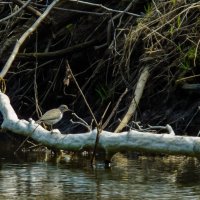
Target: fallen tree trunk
108, 141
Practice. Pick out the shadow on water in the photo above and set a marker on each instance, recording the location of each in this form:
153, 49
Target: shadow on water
37, 175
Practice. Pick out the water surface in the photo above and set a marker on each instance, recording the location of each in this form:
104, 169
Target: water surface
35, 176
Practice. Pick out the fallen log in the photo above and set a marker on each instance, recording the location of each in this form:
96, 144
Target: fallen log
110, 142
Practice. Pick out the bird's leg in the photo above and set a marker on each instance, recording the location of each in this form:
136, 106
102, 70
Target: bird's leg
51, 128
43, 125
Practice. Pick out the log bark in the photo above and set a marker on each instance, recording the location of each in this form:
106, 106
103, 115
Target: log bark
110, 142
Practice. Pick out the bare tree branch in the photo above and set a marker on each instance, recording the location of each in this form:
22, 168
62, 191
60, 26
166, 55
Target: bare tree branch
24, 37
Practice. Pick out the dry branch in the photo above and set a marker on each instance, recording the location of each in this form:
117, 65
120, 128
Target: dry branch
28, 8
56, 54
105, 8
15, 13
137, 95
24, 37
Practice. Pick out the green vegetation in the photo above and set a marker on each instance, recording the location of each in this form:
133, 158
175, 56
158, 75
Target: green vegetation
103, 93
102, 41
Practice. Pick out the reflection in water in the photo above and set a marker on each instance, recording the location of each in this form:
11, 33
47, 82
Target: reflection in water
129, 178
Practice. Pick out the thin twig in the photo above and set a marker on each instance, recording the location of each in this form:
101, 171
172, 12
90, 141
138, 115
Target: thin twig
21, 144
104, 7
52, 84
95, 121
38, 111
24, 37
56, 54
111, 22
81, 122
196, 50
24, 141
73, 10
114, 109
15, 13
102, 117
90, 110
28, 8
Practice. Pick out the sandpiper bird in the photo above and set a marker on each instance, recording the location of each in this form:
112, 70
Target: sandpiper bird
53, 116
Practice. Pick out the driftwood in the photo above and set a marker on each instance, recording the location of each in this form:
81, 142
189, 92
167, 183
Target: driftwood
136, 99
110, 142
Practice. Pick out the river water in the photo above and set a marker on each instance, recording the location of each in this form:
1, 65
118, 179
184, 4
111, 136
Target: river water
38, 176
